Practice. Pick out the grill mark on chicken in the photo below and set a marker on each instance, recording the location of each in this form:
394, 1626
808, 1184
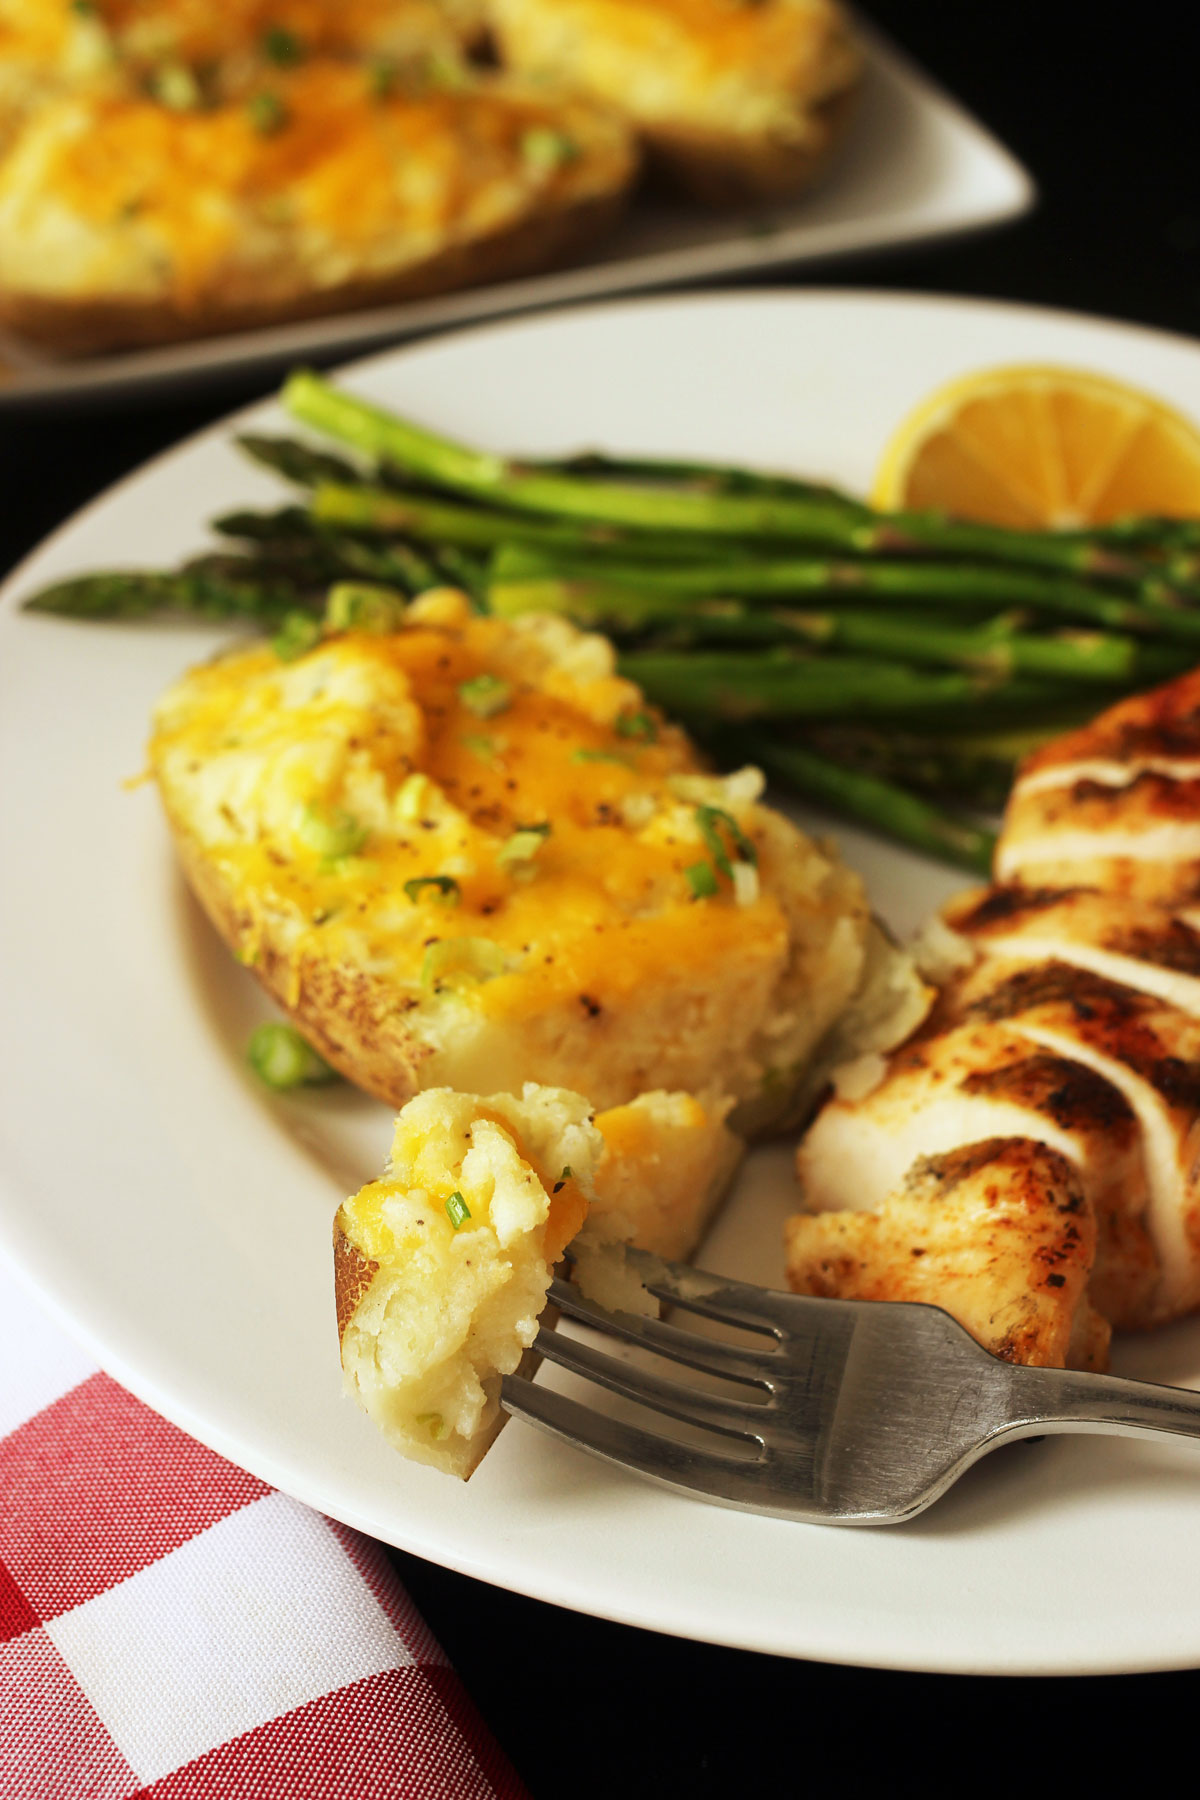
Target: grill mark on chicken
1126, 1022
984, 908
1108, 773
1082, 920
1086, 803
1072, 1096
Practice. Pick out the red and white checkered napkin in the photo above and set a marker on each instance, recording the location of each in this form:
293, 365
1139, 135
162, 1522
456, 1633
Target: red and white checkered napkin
172, 1629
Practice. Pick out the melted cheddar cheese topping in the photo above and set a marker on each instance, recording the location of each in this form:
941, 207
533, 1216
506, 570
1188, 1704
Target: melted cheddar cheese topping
76, 35
534, 856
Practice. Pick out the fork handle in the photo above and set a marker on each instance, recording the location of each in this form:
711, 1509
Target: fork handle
1064, 1400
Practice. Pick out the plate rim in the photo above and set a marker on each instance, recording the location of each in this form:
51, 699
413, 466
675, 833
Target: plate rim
142, 1383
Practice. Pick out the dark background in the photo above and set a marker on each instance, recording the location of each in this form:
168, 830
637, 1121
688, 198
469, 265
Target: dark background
1102, 109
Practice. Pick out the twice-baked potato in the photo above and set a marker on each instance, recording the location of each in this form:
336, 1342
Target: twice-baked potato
124, 221
464, 853
735, 100
442, 1265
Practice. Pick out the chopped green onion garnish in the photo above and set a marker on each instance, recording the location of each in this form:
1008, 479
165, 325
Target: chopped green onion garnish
176, 88
485, 695
448, 890
522, 846
454, 962
457, 1210
438, 1428
446, 71
364, 606
483, 747
414, 795
600, 756
710, 819
283, 1059
331, 834
563, 1178
282, 47
381, 77
298, 632
638, 725
546, 150
267, 112
702, 879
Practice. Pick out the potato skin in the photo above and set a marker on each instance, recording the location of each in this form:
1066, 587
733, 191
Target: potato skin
354, 1019
353, 1274
86, 324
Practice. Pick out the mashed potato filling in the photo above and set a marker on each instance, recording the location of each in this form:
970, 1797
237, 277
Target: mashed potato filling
443, 1264
482, 819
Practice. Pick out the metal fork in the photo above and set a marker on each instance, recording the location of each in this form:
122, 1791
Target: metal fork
847, 1412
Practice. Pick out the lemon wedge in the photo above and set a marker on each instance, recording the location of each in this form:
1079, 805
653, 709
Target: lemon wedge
1038, 447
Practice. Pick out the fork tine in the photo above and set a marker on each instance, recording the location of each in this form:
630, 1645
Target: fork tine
712, 1296
732, 1480
708, 1355
679, 1401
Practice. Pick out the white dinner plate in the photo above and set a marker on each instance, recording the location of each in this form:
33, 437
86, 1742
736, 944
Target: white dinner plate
178, 1218
914, 166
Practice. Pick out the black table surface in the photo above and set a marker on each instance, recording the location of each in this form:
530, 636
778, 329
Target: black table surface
1101, 108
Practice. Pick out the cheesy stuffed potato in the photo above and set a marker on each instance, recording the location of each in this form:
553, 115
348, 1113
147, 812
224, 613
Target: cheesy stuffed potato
734, 100
465, 854
124, 221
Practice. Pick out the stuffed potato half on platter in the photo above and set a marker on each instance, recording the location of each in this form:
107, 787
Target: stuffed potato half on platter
734, 100
127, 222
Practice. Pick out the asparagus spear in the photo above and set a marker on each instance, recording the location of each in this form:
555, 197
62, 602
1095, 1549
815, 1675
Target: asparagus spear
738, 685
298, 462
523, 579
286, 524
383, 435
974, 585
381, 511
205, 593
874, 802
931, 765
713, 478
992, 648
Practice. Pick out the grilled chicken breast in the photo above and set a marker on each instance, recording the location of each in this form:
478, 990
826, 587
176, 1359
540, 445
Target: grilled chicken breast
1071, 1020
